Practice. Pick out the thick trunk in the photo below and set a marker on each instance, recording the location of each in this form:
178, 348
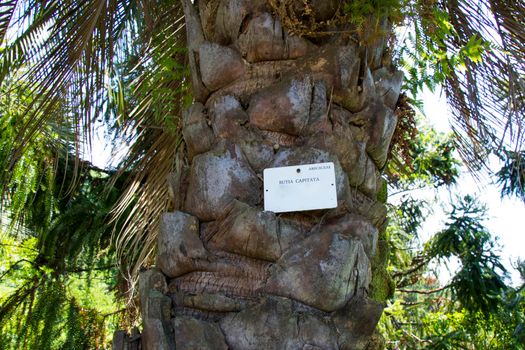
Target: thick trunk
234, 276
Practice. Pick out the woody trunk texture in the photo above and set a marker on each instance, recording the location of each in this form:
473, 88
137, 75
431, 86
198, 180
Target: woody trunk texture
230, 275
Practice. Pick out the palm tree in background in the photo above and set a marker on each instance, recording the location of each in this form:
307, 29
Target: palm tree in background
125, 63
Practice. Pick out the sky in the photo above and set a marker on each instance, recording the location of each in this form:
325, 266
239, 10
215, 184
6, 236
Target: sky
506, 215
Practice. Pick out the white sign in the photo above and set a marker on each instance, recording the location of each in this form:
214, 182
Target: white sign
300, 187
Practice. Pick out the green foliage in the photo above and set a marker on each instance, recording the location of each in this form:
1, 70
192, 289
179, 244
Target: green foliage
480, 281
474, 309
55, 245
55, 286
42, 313
435, 162
434, 321
426, 56
431, 161
405, 220
474, 51
28, 182
511, 176
359, 11
121, 63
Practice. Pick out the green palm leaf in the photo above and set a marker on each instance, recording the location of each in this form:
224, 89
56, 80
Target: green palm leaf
7, 9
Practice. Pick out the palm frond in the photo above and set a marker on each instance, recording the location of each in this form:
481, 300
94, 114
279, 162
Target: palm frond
72, 54
65, 52
487, 94
158, 89
37, 166
141, 205
7, 9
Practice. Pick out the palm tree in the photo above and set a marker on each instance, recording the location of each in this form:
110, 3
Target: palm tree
267, 98
274, 83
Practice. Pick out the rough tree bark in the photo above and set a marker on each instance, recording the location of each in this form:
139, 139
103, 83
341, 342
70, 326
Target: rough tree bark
231, 276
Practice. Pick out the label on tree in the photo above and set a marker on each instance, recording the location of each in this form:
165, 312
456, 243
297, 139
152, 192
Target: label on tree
300, 187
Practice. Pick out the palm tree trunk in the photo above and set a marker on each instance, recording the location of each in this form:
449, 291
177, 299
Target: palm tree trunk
230, 274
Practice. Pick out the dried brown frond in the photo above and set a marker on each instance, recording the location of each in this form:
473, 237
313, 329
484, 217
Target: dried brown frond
405, 133
152, 117
142, 204
301, 20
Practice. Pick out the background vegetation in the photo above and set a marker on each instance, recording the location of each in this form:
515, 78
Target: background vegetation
73, 237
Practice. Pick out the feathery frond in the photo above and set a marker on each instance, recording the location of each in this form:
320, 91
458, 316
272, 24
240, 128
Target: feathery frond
72, 53
7, 9
157, 93
487, 90
65, 49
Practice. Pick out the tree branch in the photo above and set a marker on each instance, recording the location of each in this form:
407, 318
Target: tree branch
81, 270
114, 312
411, 270
13, 266
428, 291
419, 340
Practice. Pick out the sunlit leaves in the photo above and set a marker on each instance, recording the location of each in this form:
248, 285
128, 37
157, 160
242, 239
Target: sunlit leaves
431, 161
30, 181
472, 308
359, 10
427, 58
55, 287
473, 50
55, 240
475, 309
